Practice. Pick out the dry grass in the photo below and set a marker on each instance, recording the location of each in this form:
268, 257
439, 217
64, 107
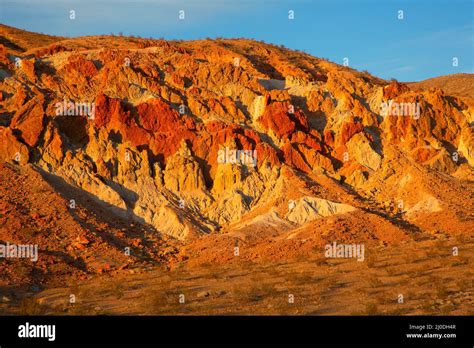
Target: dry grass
31, 306
264, 289
374, 282
371, 308
370, 260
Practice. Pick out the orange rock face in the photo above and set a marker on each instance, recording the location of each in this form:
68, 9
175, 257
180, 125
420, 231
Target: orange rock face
12, 150
394, 89
28, 121
28, 68
349, 129
279, 118
162, 114
80, 66
4, 56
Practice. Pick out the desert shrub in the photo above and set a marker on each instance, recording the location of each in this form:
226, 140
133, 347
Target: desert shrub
371, 308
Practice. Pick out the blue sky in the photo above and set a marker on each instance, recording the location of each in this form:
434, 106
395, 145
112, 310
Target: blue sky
368, 32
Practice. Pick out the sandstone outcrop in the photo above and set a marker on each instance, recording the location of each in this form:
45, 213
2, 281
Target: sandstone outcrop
162, 112
309, 208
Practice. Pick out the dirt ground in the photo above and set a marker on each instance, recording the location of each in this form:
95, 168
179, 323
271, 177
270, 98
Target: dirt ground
412, 278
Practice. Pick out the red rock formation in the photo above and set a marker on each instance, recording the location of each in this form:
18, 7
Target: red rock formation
109, 113
12, 150
293, 157
28, 120
277, 118
81, 66
348, 130
394, 89
28, 67
315, 114
52, 49
4, 56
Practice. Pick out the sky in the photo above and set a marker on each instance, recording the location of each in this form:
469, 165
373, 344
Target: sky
431, 36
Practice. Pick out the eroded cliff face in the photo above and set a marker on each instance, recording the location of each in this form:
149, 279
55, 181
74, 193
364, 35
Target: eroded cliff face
192, 137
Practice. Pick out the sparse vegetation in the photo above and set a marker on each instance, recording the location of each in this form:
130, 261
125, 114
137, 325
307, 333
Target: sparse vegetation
374, 282
31, 306
371, 308
370, 260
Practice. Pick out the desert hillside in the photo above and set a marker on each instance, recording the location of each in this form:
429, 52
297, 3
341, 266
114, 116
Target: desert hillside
20, 41
185, 150
460, 85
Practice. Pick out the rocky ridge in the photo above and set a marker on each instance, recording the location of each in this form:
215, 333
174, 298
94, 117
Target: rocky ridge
147, 122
